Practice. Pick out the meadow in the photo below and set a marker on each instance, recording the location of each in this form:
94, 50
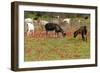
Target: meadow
43, 48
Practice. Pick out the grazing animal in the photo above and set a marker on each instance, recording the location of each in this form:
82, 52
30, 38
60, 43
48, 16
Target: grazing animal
43, 23
40, 22
67, 20
83, 31
54, 27
29, 27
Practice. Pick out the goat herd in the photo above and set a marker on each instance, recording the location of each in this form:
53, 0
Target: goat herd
50, 27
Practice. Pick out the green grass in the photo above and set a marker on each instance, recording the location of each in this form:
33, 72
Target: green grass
40, 49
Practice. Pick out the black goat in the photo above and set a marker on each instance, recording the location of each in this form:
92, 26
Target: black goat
54, 27
83, 31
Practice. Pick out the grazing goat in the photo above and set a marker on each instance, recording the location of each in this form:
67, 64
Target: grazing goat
29, 27
54, 27
67, 20
43, 23
83, 31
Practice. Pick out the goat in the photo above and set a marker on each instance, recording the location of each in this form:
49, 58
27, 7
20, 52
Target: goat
83, 31
67, 20
54, 27
29, 26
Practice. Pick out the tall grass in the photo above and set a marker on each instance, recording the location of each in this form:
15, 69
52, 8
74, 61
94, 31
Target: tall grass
40, 49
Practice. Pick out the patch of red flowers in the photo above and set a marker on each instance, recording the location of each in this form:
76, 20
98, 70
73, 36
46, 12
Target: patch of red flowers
69, 34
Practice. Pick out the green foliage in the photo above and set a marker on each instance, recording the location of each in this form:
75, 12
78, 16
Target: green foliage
29, 14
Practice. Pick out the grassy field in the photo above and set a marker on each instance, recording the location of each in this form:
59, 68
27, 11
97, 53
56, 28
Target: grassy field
40, 49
